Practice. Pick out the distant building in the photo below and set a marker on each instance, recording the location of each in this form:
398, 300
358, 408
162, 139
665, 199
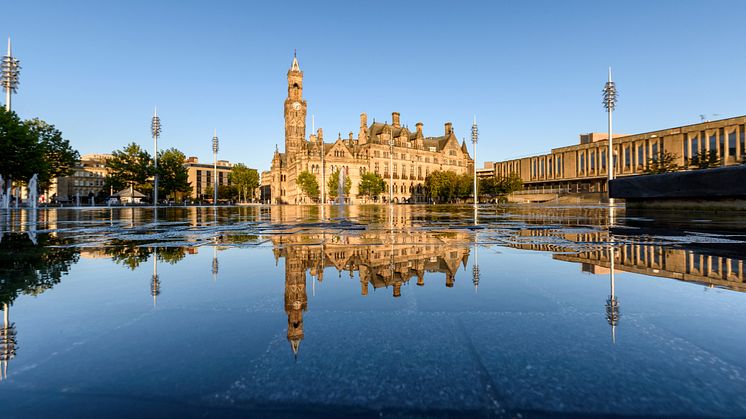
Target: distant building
201, 175
583, 167
87, 178
414, 155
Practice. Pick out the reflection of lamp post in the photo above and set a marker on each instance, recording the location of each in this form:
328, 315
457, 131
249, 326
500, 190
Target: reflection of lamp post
610, 98
10, 72
155, 129
7, 342
475, 268
215, 142
215, 261
612, 303
474, 139
155, 283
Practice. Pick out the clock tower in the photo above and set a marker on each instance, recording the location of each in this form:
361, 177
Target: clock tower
295, 111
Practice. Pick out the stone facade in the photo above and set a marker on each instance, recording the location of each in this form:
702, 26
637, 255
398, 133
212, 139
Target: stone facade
200, 175
87, 178
414, 156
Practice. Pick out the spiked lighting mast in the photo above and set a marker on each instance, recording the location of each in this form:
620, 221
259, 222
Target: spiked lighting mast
9, 72
610, 99
474, 140
155, 129
215, 146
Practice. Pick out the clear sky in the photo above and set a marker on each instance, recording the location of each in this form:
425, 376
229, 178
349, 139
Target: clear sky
532, 72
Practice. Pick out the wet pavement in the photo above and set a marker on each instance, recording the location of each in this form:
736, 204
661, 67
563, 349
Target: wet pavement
404, 311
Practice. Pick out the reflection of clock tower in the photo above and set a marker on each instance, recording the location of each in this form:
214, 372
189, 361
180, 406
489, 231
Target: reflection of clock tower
295, 111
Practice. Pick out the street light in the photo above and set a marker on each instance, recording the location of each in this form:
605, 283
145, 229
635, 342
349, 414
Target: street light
155, 129
10, 70
610, 98
215, 143
474, 139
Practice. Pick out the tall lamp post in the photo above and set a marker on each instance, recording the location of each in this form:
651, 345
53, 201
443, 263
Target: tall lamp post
474, 139
610, 98
215, 142
155, 129
10, 71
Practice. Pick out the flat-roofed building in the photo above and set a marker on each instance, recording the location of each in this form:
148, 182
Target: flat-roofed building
201, 175
583, 166
87, 179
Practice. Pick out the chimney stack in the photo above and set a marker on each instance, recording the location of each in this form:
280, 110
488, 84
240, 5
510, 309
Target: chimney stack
320, 134
395, 119
363, 120
419, 128
449, 128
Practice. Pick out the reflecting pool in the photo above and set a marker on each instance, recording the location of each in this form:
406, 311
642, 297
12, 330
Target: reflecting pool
404, 311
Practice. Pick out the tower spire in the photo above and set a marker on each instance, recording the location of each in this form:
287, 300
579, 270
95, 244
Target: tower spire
295, 66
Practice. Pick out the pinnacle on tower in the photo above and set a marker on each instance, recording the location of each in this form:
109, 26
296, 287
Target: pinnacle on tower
295, 66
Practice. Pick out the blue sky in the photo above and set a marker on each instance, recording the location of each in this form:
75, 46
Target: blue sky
532, 72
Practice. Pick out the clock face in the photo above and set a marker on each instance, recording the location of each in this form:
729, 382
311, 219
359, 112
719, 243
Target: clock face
296, 105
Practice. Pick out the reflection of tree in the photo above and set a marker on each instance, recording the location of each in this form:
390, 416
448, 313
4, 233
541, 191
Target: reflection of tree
129, 254
29, 269
132, 254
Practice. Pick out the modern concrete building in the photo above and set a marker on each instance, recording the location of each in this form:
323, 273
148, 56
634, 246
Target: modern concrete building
390, 150
201, 175
583, 167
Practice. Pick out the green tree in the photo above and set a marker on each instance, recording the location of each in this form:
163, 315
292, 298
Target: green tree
58, 158
371, 185
21, 152
663, 164
489, 186
445, 186
308, 184
245, 180
173, 177
131, 166
705, 159
509, 184
333, 184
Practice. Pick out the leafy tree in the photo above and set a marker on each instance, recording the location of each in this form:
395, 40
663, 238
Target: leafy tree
225, 192
509, 184
245, 180
445, 186
705, 160
665, 163
173, 177
58, 158
371, 185
308, 184
22, 155
333, 184
489, 186
131, 166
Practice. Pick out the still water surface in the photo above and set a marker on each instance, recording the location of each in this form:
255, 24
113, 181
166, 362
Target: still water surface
409, 312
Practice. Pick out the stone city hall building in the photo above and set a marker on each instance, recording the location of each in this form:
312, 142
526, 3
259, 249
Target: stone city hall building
414, 155
582, 167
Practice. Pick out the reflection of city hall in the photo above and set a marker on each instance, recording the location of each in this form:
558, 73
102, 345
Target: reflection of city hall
382, 260
414, 155
583, 166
